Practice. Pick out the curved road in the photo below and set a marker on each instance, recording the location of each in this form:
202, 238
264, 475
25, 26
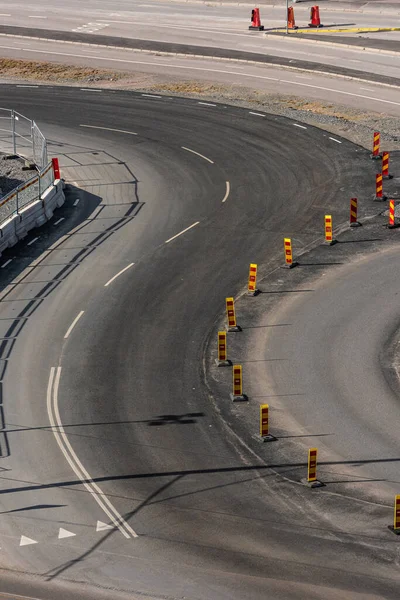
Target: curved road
136, 449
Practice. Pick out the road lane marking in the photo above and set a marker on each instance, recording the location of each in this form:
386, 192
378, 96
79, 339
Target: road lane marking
6, 263
36, 17
301, 126
26, 86
367, 89
118, 274
59, 221
73, 460
103, 526
108, 129
206, 104
90, 90
181, 232
256, 114
74, 322
228, 189
150, 96
25, 541
32, 241
186, 67
335, 140
198, 154
76, 202
64, 533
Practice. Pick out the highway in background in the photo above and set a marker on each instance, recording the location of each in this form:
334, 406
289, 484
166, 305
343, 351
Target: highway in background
121, 473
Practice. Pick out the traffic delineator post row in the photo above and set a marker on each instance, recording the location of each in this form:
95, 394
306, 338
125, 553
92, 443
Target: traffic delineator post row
315, 20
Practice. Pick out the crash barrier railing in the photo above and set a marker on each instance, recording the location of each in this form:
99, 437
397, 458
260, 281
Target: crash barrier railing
26, 193
21, 136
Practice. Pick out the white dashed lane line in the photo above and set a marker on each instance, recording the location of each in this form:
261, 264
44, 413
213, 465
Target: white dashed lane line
109, 129
256, 114
32, 241
6, 263
59, 221
76, 202
150, 96
206, 104
198, 154
228, 189
74, 322
301, 126
335, 140
90, 90
181, 232
118, 274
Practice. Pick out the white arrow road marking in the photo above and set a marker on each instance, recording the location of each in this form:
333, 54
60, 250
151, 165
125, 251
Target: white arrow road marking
103, 526
63, 533
25, 541
73, 460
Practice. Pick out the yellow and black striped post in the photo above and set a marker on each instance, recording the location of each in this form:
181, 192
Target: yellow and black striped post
222, 360
252, 283
231, 315
237, 395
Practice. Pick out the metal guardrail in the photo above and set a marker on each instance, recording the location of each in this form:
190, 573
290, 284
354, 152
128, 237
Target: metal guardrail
20, 135
26, 193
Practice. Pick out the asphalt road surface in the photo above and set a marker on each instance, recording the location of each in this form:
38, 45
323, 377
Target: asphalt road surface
119, 467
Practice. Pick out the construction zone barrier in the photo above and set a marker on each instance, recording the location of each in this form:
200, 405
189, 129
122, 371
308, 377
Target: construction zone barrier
237, 395
291, 23
252, 283
392, 215
376, 146
385, 166
231, 315
396, 517
379, 196
315, 20
222, 360
353, 213
264, 434
256, 20
312, 480
289, 263
329, 231
56, 168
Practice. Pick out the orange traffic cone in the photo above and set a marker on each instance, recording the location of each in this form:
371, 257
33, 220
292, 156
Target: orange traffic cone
314, 16
290, 18
255, 20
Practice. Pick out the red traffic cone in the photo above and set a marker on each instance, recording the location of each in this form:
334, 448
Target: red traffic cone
290, 19
314, 16
256, 21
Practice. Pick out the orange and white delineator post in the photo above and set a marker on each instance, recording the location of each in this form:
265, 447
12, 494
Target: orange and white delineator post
329, 231
287, 244
376, 145
353, 213
252, 283
379, 196
222, 360
237, 395
385, 166
231, 315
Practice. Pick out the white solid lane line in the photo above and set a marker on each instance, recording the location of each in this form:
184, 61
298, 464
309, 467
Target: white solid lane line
256, 114
228, 189
181, 232
301, 126
74, 322
109, 129
118, 274
198, 154
335, 140
74, 462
